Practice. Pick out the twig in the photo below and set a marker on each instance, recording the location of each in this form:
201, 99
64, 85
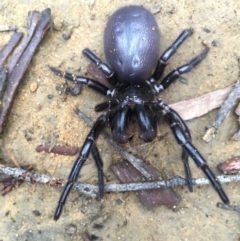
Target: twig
14, 160
228, 207
4, 28
61, 150
92, 190
8, 48
3, 81
20, 68
32, 23
223, 112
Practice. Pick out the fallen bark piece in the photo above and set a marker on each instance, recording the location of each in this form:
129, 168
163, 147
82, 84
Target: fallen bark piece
16, 75
231, 166
226, 107
196, 107
150, 198
61, 150
98, 75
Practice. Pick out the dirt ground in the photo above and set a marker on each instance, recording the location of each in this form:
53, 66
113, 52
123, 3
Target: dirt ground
42, 117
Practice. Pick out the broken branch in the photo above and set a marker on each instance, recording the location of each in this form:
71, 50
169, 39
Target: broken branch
92, 190
17, 73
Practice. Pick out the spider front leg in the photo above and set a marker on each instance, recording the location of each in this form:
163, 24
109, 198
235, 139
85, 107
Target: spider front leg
162, 62
88, 146
107, 71
175, 74
175, 125
79, 80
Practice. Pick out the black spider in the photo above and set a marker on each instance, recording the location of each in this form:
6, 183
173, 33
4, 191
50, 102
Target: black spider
131, 46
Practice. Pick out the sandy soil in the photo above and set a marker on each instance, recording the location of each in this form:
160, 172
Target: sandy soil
37, 119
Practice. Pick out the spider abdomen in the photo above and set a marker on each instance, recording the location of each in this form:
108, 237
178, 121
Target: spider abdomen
131, 44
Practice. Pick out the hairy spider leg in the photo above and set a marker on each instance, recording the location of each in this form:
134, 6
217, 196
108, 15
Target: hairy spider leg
77, 79
180, 135
83, 155
107, 71
167, 54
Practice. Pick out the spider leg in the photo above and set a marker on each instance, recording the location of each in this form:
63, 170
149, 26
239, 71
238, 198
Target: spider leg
78, 80
107, 104
175, 74
185, 154
98, 160
83, 155
182, 140
107, 71
162, 62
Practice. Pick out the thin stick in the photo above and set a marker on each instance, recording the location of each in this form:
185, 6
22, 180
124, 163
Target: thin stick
4, 28
226, 107
33, 20
228, 207
92, 190
9, 47
19, 69
14, 160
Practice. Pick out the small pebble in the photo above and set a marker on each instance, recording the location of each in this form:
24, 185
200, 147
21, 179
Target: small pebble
50, 96
39, 106
33, 86
91, 3
214, 43
58, 24
66, 36
155, 9
98, 226
71, 229
36, 213
206, 30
